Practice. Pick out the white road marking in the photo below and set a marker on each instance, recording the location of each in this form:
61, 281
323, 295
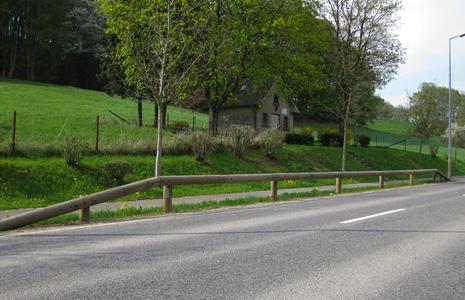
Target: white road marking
373, 216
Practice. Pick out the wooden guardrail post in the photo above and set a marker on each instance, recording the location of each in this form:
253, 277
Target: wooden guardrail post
167, 198
381, 182
274, 190
338, 185
84, 215
411, 180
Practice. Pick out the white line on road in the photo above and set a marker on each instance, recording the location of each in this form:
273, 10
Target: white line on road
373, 216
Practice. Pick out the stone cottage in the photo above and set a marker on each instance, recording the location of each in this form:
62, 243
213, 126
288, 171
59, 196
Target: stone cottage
261, 107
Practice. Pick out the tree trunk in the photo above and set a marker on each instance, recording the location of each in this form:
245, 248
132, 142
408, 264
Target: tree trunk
159, 140
344, 141
421, 146
213, 120
155, 117
12, 63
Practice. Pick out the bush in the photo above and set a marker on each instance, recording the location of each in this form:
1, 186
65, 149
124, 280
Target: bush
201, 145
179, 126
271, 141
178, 144
364, 140
331, 137
241, 139
298, 139
117, 170
73, 150
433, 150
307, 131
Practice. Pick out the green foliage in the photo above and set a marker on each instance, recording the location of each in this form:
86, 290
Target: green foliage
298, 139
271, 142
429, 109
73, 150
117, 170
363, 140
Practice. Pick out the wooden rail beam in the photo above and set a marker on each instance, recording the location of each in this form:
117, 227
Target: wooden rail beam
168, 182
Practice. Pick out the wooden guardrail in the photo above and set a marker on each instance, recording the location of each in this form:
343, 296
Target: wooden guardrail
84, 203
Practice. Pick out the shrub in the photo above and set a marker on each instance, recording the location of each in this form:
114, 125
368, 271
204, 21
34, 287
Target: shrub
331, 137
433, 150
178, 144
241, 139
74, 148
117, 170
179, 126
298, 139
364, 140
201, 145
307, 131
271, 141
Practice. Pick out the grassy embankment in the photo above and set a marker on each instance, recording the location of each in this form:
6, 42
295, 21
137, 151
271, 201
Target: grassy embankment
46, 110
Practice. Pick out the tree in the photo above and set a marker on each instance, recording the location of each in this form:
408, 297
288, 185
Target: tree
155, 47
295, 55
365, 53
84, 45
428, 110
237, 31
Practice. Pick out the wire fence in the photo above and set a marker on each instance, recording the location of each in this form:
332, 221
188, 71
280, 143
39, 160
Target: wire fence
39, 130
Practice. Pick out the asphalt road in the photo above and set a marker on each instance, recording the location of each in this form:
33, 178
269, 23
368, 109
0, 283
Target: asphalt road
402, 244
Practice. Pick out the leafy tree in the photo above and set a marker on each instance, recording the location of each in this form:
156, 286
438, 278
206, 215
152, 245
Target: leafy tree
364, 55
237, 31
428, 110
295, 55
155, 46
84, 45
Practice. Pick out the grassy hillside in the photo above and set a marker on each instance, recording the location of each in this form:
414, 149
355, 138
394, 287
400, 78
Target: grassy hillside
47, 112
387, 132
41, 181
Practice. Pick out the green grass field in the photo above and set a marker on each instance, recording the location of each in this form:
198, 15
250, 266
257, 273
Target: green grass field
45, 113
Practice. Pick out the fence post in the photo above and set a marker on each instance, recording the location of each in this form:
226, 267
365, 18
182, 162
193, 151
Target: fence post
84, 215
434, 177
97, 132
139, 111
13, 137
167, 198
405, 144
338, 185
376, 140
167, 120
411, 180
193, 123
381, 182
274, 190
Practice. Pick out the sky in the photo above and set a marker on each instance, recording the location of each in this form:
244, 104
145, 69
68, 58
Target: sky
425, 29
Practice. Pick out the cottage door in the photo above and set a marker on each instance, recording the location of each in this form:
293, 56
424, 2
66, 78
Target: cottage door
275, 121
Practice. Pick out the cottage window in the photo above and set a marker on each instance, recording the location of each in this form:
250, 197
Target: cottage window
265, 120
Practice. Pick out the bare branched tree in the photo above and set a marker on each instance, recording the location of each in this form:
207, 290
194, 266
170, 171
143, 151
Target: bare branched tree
365, 54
